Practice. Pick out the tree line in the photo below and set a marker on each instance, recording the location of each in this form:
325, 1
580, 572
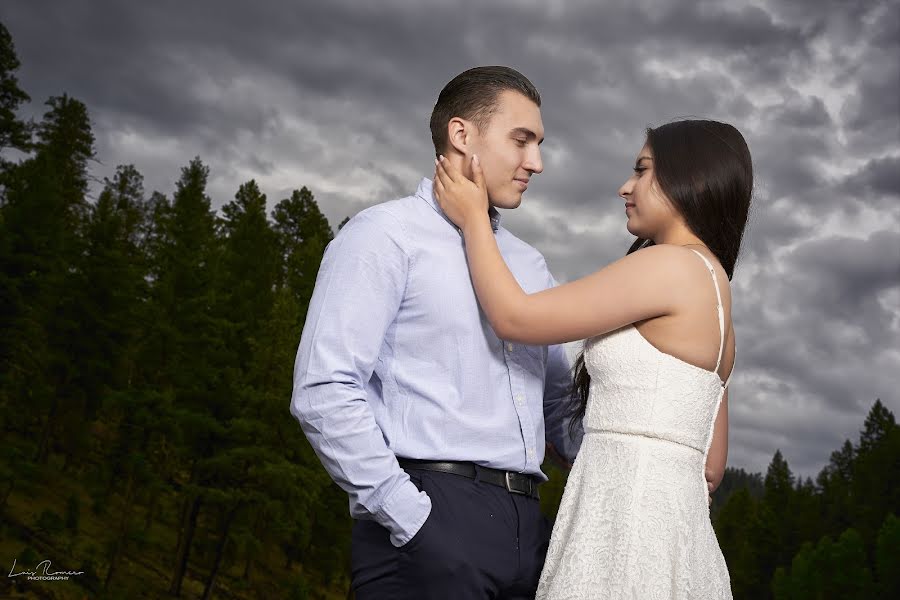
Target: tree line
146, 350
793, 538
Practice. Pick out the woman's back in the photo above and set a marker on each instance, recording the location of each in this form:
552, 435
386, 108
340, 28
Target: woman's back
692, 333
636, 388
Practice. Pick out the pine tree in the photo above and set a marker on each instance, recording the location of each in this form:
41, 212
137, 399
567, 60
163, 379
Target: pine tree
876, 478
772, 535
878, 426
187, 257
835, 485
43, 220
804, 514
250, 268
188, 340
14, 133
779, 484
110, 305
303, 233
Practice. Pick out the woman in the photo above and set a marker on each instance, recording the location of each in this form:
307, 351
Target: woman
653, 377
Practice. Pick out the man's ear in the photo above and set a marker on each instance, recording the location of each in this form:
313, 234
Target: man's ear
459, 134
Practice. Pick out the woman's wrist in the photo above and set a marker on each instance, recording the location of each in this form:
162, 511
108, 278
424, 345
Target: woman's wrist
476, 223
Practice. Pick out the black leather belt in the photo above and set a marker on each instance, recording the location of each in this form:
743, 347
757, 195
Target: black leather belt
514, 483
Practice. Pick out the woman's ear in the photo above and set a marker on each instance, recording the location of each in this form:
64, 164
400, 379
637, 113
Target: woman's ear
458, 134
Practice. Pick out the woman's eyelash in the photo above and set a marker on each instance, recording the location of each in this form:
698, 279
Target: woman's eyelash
639, 170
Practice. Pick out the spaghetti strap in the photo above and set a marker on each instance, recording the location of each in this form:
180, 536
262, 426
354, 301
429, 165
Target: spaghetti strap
727, 381
719, 310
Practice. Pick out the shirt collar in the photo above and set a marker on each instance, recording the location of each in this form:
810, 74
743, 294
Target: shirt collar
426, 193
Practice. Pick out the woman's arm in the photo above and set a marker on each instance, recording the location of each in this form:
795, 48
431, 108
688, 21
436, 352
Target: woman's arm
717, 456
640, 286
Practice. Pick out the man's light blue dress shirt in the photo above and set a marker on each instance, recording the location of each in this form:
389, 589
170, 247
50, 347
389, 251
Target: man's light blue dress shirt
397, 360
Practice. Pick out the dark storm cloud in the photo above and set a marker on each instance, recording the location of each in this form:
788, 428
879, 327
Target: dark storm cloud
336, 96
878, 179
802, 113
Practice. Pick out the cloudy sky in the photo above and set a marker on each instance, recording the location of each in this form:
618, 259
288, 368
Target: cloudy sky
336, 95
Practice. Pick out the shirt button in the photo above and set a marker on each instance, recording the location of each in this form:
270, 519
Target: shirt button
509, 346
519, 399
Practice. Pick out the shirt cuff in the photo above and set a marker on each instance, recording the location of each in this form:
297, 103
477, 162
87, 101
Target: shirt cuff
404, 513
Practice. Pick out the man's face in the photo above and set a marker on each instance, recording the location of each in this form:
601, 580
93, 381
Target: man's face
508, 148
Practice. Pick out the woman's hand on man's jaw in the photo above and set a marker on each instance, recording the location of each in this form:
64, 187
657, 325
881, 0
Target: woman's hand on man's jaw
464, 201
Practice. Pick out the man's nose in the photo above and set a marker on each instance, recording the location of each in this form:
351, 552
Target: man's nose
533, 161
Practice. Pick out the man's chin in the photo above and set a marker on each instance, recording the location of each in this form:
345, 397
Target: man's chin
507, 202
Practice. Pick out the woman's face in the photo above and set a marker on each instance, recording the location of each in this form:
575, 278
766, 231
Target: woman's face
648, 209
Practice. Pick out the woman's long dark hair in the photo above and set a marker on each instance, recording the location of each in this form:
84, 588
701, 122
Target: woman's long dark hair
705, 169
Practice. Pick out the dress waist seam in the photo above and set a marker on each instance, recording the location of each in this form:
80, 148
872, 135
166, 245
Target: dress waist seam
644, 436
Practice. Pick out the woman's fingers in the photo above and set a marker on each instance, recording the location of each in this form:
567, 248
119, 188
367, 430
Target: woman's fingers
447, 172
477, 172
453, 174
453, 179
443, 180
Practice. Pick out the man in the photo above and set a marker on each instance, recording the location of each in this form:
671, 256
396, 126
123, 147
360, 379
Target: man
433, 425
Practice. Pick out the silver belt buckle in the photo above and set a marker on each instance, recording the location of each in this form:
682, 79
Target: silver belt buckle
509, 489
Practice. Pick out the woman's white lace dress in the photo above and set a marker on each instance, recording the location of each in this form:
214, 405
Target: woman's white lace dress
634, 519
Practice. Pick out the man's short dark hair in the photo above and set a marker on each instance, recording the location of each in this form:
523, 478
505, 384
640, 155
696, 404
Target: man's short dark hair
472, 95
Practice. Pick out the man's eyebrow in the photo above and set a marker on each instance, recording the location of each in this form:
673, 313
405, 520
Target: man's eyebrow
529, 134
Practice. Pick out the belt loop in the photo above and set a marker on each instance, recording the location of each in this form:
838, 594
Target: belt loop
477, 474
